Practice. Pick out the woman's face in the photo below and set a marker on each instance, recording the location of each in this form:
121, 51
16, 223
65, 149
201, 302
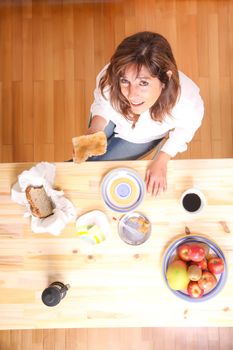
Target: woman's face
141, 89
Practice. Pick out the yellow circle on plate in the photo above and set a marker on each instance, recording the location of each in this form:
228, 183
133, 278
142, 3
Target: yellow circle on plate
131, 199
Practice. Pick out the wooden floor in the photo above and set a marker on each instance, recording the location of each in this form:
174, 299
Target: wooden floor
50, 53
119, 339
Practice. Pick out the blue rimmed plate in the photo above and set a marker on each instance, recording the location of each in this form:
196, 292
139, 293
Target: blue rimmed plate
122, 189
214, 250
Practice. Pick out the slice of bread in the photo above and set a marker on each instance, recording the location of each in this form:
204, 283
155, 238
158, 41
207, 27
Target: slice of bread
86, 146
40, 203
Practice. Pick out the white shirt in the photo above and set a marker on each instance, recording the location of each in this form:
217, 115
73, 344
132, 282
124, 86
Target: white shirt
186, 117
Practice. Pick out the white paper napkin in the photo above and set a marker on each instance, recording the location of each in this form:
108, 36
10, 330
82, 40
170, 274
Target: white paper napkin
43, 174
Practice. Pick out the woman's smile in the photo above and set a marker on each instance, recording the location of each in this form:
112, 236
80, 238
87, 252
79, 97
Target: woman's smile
136, 104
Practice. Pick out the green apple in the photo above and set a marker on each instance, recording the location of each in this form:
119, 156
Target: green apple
177, 275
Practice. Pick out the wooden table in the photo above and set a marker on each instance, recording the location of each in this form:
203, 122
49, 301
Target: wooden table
112, 284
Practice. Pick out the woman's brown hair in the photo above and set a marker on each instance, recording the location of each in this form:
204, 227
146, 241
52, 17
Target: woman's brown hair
154, 52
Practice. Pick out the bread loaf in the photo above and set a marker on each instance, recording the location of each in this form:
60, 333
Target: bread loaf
40, 203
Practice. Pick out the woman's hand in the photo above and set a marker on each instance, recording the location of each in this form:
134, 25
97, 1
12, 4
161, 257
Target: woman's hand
156, 174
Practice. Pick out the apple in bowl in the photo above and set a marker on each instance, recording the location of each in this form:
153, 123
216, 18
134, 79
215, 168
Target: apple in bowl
207, 281
177, 275
201, 260
194, 290
216, 265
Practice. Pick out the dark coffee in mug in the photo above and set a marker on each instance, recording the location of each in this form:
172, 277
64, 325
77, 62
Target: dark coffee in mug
191, 202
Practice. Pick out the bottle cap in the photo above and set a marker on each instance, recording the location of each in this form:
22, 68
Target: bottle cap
51, 296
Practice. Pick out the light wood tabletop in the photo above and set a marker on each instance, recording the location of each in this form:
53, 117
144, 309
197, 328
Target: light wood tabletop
112, 284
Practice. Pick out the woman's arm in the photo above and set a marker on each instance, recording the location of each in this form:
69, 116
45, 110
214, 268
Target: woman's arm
156, 174
98, 123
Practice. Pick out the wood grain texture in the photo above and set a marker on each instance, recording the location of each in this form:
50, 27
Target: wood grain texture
112, 284
120, 338
51, 52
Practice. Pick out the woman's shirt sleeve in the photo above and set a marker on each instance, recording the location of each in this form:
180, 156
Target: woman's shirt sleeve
188, 115
101, 106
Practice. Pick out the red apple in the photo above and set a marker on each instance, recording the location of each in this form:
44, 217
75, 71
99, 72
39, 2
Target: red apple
216, 265
197, 253
202, 264
194, 290
206, 248
183, 252
207, 281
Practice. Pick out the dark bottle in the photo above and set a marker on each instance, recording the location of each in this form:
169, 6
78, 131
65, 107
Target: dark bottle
56, 291
191, 202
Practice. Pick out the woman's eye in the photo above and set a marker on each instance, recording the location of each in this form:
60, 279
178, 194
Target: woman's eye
143, 83
124, 81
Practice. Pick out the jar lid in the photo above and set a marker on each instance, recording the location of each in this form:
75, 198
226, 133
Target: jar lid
51, 296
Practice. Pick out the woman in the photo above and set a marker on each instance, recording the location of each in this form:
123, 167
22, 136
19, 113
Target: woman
139, 99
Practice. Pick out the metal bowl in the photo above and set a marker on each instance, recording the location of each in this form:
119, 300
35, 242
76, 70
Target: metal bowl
134, 228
